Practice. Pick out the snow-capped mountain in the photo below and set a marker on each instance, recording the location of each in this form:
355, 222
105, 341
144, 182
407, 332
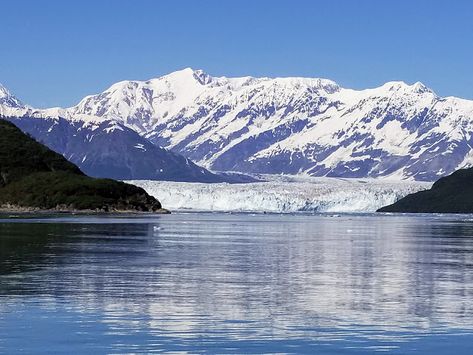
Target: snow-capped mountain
289, 125
8, 102
294, 125
102, 148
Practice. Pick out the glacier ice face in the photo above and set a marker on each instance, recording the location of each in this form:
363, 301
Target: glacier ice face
282, 194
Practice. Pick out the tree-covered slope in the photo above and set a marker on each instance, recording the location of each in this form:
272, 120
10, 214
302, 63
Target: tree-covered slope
450, 194
33, 176
21, 155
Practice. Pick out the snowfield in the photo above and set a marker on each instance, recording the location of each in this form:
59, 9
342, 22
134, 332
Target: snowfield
282, 194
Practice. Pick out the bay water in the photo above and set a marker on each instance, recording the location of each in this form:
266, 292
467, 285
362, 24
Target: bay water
236, 283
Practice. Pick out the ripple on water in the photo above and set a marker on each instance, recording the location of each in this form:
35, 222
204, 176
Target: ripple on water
237, 283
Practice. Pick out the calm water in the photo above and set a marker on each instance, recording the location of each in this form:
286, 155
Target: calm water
221, 283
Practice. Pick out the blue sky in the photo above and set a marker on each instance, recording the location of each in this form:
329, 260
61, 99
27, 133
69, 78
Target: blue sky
53, 53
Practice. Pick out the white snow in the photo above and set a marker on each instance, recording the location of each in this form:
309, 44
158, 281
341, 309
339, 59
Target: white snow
140, 146
192, 112
113, 128
282, 194
191, 109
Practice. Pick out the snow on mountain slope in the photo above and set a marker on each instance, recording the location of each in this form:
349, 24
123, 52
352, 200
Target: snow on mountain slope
294, 125
9, 104
101, 147
111, 150
299, 126
283, 195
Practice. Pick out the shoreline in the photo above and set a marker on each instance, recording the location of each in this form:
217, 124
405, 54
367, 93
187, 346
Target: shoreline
21, 209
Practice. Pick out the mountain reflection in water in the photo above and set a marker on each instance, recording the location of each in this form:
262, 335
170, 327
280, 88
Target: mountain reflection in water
237, 283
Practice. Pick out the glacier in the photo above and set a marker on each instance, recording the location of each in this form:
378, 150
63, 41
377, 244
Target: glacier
282, 194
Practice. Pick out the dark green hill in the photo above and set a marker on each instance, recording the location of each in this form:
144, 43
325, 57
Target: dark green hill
21, 155
450, 194
34, 177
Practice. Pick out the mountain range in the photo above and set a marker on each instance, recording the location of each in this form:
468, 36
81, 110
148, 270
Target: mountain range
157, 129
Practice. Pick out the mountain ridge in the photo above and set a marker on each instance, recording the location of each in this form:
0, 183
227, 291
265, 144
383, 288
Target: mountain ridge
294, 125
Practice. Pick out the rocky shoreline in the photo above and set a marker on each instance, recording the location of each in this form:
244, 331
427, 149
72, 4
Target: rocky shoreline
64, 210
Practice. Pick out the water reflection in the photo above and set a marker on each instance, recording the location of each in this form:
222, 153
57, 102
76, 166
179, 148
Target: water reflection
240, 283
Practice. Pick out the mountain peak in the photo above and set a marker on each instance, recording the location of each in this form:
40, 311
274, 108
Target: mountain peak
420, 88
190, 74
7, 99
4, 92
417, 87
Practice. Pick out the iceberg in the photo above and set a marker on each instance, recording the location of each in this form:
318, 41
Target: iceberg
282, 194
